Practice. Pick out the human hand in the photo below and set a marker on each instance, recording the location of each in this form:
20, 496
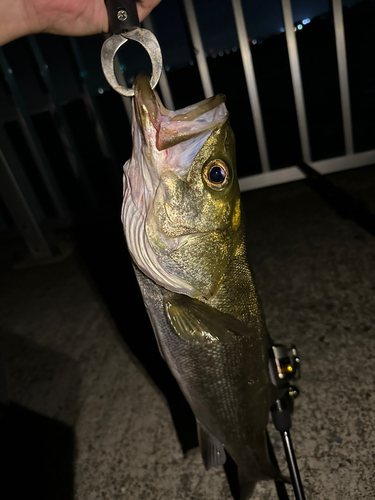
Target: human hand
61, 17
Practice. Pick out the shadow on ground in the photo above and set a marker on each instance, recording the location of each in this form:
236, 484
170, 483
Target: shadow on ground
42, 451
105, 256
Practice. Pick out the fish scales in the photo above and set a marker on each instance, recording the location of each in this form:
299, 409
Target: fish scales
186, 234
222, 375
237, 294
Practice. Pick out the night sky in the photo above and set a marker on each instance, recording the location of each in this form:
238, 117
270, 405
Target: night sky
217, 25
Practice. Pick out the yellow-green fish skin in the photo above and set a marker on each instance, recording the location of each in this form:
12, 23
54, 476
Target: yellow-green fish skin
211, 330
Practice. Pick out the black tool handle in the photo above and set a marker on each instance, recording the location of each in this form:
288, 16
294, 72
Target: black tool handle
122, 15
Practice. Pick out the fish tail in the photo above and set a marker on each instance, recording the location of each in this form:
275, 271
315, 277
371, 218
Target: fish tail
246, 486
249, 475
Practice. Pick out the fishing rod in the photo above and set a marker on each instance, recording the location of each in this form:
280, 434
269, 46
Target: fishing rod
285, 367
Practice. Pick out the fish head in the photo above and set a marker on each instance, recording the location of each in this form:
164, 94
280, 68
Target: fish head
181, 211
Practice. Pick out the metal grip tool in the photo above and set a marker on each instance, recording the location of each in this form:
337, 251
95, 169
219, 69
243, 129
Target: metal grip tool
122, 16
124, 25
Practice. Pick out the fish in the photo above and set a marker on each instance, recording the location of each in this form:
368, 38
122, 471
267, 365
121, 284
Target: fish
185, 231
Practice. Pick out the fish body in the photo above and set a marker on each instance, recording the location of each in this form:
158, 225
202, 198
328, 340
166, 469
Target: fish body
186, 234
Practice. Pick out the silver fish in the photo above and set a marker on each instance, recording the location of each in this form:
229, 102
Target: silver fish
185, 232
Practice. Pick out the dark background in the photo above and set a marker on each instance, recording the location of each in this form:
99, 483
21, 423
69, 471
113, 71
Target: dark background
74, 73
73, 96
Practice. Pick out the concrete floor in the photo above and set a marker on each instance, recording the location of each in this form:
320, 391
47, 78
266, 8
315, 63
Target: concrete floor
93, 416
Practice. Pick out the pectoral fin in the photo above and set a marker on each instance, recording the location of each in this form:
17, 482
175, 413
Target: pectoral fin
196, 321
212, 450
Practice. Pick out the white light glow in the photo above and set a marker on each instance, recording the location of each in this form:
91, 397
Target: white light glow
300, 26
306, 21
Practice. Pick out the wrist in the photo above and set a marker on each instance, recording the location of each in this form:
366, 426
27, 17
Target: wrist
17, 20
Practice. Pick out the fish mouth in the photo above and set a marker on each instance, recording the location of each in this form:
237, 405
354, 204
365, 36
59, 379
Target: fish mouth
170, 127
145, 101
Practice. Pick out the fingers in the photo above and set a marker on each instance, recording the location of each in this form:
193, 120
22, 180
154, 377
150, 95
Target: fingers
144, 7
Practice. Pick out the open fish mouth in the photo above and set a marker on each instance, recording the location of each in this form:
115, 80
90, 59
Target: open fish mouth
171, 127
160, 197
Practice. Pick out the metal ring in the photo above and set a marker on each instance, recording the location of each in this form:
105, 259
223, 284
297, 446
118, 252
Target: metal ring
112, 45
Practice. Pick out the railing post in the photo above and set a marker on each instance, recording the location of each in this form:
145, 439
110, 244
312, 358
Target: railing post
296, 79
343, 75
252, 88
198, 46
21, 213
33, 142
163, 82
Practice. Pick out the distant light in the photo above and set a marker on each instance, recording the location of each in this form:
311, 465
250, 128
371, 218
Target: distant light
191, 62
282, 30
211, 50
214, 55
249, 39
167, 68
254, 42
100, 90
221, 53
306, 21
300, 26
227, 51
234, 49
122, 67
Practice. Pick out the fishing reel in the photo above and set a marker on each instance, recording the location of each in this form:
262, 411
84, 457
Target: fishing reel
284, 366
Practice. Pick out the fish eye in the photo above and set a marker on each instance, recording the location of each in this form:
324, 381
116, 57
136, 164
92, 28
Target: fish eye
216, 175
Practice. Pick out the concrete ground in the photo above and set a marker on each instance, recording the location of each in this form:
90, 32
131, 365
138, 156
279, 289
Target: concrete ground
95, 413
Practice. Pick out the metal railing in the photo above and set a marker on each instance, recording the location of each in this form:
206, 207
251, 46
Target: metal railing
17, 193
292, 173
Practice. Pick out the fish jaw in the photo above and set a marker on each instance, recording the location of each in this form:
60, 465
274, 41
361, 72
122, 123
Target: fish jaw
166, 145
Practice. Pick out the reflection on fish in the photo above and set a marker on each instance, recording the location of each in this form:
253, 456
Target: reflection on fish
186, 234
